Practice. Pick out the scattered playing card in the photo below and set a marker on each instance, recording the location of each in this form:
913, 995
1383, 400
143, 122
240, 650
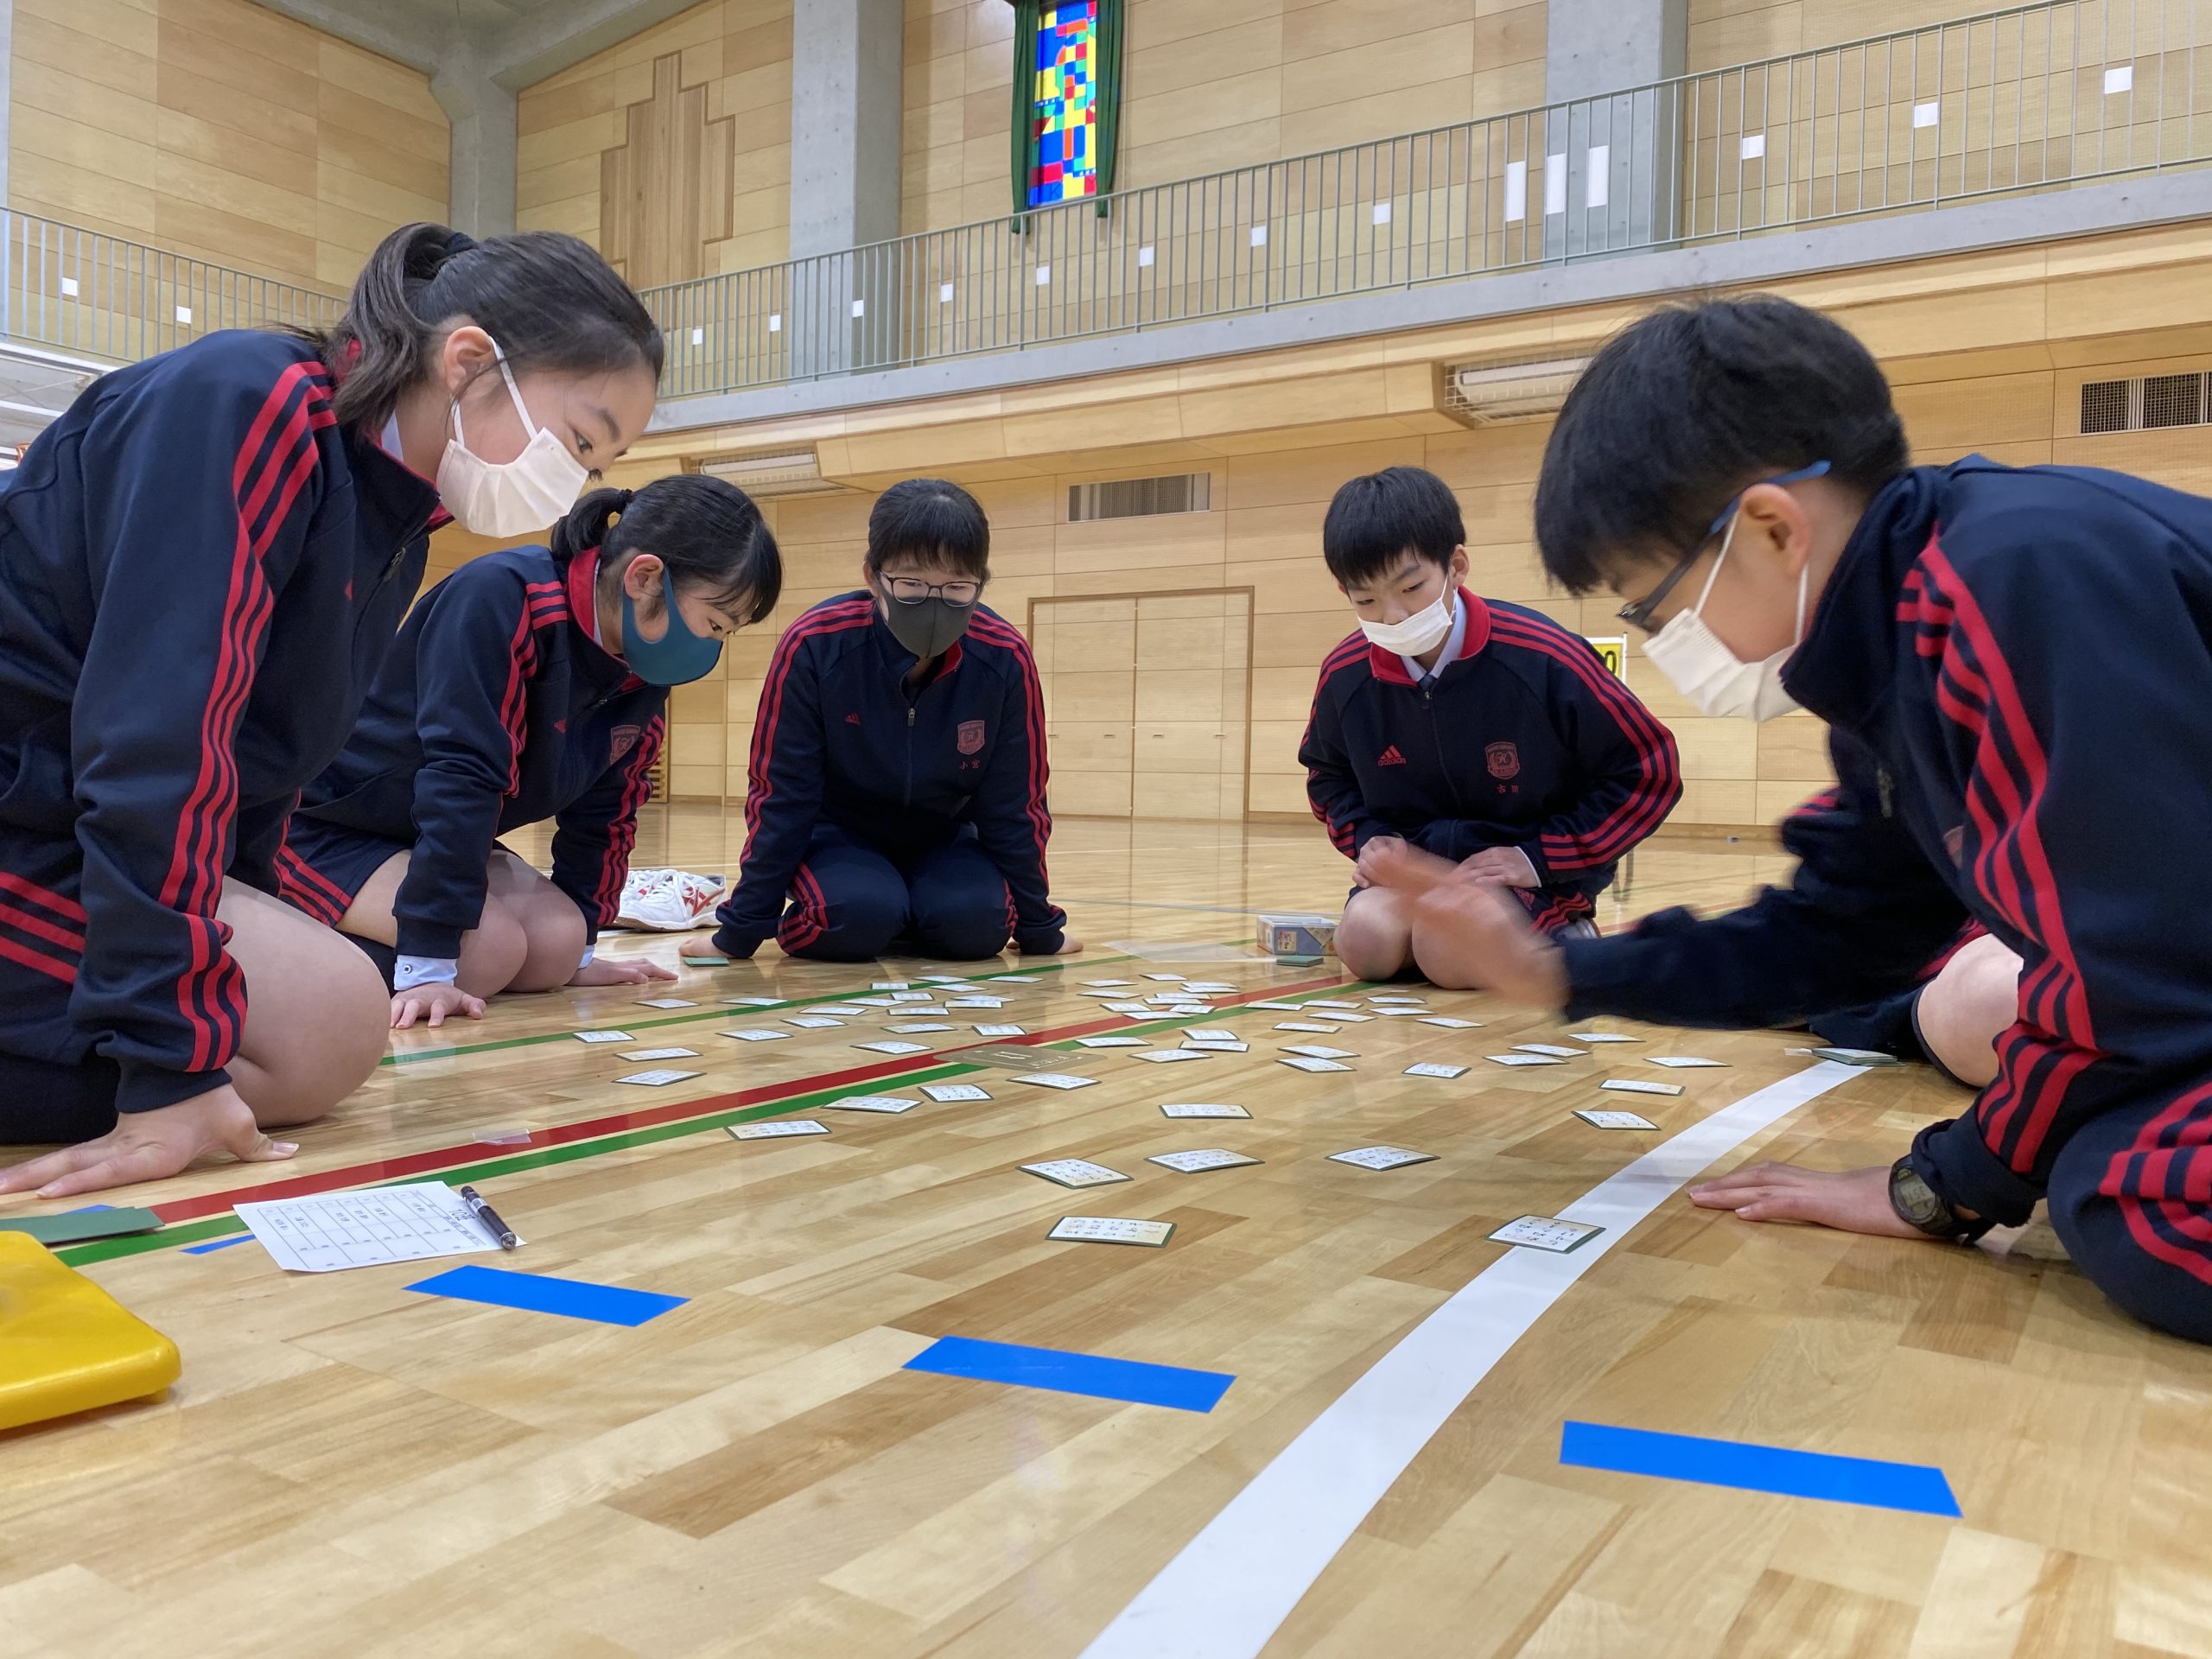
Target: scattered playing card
1382, 1157
605, 1037
1106, 984
660, 1054
1275, 1007
1857, 1056
913, 997
1109, 1229
1140, 1010
1349, 1019
1685, 1062
813, 1022
1168, 1056
1014, 979
888, 985
977, 1002
871, 1002
1056, 1080
1198, 1109
1408, 1010
1450, 1024
1394, 996
1168, 979
954, 1091
830, 1007
1190, 1163
922, 1025
1602, 1037
1630, 1086
1318, 1002
1209, 989
1304, 1063
891, 1104
1001, 1031
740, 1002
894, 1048
1522, 1059
1303, 1025
777, 1128
1215, 1046
1200, 1033
1075, 1172
1546, 1233
1431, 1068
938, 979
1109, 1042
655, 1079
666, 1002
1552, 1049
1598, 1118
758, 1034
1319, 1051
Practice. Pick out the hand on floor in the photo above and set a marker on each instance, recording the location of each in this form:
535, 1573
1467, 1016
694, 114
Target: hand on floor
600, 970
431, 1003
1852, 1201
147, 1145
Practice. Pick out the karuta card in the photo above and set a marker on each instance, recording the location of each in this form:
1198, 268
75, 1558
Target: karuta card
894, 1048
1326, 1002
777, 1129
1382, 1157
1056, 1080
1349, 1019
1432, 1069
871, 1002
1598, 1118
1522, 1059
1396, 1010
1552, 1049
1449, 1024
888, 985
660, 1054
1209, 989
1001, 1031
742, 1002
975, 1002
1109, 1042
1169, 1056
814, 1022
1306, 1063
913, 997
1685, 1062
655, 1079
1547, 1233
1631, 1086
1013, 979
666, 1002
938, 979
1857, 1056
887, 1103
1138, 1010
1215, 1046
845, 1009
1075, 1172
1191, 1163
1320, 1052
1602, 1037
1202, 1031
1275, 1007
605, 1037
1393, 996
944, 1092
1166, 979
757, 1034
909, 1029
1303, 1025
1202, 1109
1112, 1229
1105, 984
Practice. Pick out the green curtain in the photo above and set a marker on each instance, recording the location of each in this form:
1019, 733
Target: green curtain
1025, 99
1106, 72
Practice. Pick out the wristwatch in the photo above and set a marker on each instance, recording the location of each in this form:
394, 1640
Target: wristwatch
1919, 1204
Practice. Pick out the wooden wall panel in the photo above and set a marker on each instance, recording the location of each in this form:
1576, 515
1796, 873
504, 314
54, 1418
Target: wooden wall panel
1213, 84
219, 130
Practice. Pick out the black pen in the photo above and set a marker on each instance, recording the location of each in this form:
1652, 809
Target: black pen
490, 1217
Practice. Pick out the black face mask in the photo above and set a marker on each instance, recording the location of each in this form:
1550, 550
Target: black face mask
928, 627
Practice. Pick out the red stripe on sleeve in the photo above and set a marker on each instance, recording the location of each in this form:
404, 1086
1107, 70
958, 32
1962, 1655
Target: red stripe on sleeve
853, 614
1040, 820
622, 833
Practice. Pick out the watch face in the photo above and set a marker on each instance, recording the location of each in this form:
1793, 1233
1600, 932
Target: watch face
1914, 1200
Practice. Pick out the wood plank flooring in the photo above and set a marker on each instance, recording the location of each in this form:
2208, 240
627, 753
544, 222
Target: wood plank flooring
350, 1469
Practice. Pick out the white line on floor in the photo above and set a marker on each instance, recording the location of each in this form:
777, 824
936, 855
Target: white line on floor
1225, 1596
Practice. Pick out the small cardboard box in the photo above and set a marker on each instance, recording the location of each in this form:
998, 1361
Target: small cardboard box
1297, 938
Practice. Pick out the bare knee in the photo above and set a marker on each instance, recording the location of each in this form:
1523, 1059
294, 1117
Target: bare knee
493, 952
553, 944
1373, 940
1968, 1006
293, 1069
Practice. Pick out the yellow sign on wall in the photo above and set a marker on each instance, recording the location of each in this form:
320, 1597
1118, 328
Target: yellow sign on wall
1614, 653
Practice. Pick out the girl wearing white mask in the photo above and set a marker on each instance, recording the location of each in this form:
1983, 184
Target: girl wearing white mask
2014, 665
201, 565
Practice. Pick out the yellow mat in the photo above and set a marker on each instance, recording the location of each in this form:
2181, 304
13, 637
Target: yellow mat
66, 1344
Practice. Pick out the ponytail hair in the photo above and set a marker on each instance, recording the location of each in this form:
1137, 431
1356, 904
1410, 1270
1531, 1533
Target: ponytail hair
549, 300
707, 533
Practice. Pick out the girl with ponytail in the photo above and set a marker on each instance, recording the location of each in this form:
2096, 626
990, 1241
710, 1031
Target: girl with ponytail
529, 684
201, 566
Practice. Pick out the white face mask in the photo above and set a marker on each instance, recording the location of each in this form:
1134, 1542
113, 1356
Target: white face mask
1423, 631
508, 498
1711, 675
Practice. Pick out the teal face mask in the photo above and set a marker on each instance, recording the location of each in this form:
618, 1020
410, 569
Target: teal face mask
678, 657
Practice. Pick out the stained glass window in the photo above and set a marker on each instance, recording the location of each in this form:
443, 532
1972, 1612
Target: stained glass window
1064, 109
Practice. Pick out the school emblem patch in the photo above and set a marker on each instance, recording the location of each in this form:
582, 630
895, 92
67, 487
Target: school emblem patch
971, 736
625, 738
1504, 759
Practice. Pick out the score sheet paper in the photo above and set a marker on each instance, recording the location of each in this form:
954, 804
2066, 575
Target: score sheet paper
331, 1230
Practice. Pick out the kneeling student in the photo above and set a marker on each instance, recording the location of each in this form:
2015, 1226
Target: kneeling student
1475, 730
896, 795
530, 684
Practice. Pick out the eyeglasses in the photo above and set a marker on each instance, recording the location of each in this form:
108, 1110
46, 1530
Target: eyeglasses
913, 590
1638, 614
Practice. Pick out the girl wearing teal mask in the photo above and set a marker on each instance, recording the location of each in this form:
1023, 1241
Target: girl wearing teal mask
531, 683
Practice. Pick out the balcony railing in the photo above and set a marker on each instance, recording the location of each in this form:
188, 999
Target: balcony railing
2035, 98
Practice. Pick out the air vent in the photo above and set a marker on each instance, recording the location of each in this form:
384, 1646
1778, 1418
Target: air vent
1483, 394
2145, 404
1140, 498
781, 473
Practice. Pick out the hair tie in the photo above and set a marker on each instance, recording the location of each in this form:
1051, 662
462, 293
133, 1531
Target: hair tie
456, 243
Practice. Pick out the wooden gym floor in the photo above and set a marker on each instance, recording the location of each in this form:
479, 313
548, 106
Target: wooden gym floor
350, 1469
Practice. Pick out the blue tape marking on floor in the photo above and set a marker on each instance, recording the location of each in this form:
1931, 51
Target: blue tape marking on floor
1917, 1487
1049, 1368
219, 1244
537, 1293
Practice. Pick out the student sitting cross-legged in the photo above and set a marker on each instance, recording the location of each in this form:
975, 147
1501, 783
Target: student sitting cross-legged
529, 684
896, 795
1479, 731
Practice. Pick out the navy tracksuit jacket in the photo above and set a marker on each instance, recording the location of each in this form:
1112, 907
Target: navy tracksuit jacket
2017, 665
1524, 741
497, 708
199, 573
946, 783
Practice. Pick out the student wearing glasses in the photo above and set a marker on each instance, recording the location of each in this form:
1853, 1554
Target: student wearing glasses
895, 800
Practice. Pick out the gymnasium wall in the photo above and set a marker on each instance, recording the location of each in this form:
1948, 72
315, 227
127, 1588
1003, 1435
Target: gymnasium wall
1213, 84
670, 153
1725, 32
219, 130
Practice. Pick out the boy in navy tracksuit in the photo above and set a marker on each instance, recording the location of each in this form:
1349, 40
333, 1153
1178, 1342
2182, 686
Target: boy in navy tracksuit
522, 689
896, 796
2016, 664
1481, 732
